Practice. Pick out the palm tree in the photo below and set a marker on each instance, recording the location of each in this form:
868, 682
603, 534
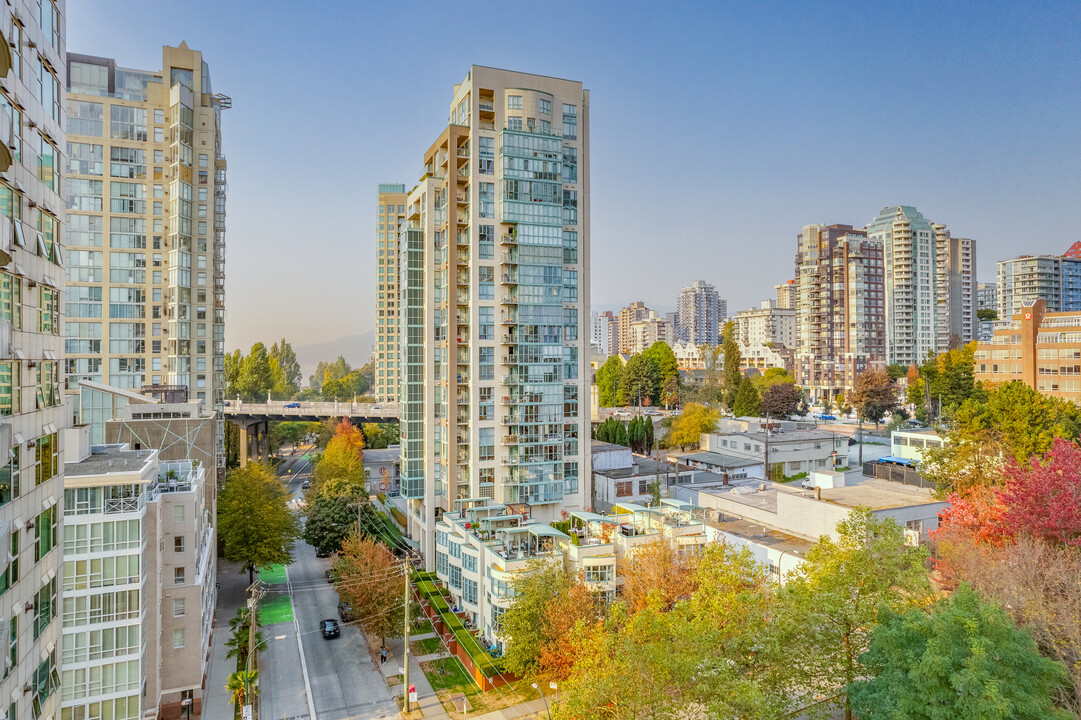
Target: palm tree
241, 681
238, 640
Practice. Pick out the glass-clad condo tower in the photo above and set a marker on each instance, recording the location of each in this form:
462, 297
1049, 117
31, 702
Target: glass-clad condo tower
494, 267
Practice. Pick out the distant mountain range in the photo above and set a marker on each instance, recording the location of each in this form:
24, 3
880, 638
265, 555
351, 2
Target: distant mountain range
356, 350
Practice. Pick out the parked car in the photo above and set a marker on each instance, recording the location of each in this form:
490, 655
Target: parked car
292, 404
330, 576
306, 484
329, 628
345, 611
320, 553
826, 417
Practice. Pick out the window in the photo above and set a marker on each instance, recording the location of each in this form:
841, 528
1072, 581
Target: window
178, 513
11, 299
179, 639
178, 544
486, 155
85, 118
44, 533
455, 576
486, 197
624, 489
486, 288
16, 116
469, 591
514, 123
178, 607
48, 163
545, 107
127, 123
178, 576
570, 247
486, 367
44, 607
486, 325
486, 242
570, 122
45, 459
11, 206
127, 163
514, 102
486, 444
486, 408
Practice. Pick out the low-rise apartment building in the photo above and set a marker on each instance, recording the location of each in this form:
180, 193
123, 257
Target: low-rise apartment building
790, 452
1039, 348
619, 476
482, 547
910, 444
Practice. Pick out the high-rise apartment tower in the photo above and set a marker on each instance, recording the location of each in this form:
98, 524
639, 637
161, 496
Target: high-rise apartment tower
698, 314
33, 414
391, 214
145, 304
494, 269
840, 328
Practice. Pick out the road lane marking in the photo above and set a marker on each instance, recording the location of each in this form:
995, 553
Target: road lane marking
300, 648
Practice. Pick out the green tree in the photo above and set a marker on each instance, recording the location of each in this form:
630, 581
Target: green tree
711, 389
255, 523
254, 378
285, 371
240, 683
831, 601
667, 368
896, 372
232, 373
771, 377
986, 314
640, 381
964, 659
688, 426
949, 379
747, 403
874, 395
609, 377
732, 362
329, 520
1015, 423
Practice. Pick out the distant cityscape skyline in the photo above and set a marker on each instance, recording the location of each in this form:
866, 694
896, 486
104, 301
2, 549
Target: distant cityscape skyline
727, 184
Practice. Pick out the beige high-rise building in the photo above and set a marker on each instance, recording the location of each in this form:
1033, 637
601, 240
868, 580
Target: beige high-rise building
766, 324
146, 231
494, 309
955, 279
840, 328
787, 295
33, 414
629, 315
391, 214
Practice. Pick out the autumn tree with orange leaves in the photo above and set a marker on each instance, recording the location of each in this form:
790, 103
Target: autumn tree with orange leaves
657, 567
549, 603
340, 470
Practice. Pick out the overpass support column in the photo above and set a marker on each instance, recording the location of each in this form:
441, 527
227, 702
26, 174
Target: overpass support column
244, 439
266, 440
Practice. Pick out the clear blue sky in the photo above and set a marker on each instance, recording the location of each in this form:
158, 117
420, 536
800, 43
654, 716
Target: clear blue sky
718, 130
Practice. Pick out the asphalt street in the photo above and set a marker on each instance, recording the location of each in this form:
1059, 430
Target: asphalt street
343, 680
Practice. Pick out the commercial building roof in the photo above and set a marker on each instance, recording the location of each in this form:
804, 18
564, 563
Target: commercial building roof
717, 459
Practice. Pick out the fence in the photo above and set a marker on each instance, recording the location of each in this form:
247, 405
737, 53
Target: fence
896, 473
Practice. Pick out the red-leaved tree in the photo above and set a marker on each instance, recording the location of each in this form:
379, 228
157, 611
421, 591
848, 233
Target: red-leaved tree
1043, 500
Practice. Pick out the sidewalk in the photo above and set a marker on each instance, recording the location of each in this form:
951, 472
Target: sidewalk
217, 701
427, 700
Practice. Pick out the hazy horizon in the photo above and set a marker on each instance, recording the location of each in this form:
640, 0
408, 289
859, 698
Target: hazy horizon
717, 132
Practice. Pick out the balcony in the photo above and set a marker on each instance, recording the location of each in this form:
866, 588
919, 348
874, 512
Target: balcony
509, 240
509, 300
486, 106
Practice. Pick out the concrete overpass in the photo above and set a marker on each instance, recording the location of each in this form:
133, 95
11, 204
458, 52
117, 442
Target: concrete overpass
253, 419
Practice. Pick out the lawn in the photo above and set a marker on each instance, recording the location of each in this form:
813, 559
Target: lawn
453, 680
275, 610
427, 646
421, 626
272, 574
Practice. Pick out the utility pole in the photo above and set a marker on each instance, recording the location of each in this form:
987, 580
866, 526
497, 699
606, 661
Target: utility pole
769, 475
405, 645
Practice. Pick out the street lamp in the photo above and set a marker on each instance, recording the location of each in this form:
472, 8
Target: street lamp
546, 710
247, 665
